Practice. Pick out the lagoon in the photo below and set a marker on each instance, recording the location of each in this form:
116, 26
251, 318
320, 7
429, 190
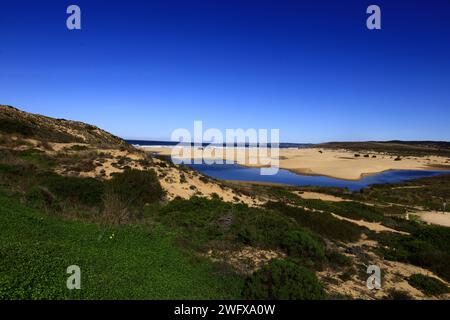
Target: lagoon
241, 173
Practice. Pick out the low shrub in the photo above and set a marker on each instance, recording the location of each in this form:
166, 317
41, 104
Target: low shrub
86, 191
114, 210
41, 198
337, 259
300, 244
136, 187
261, 228
322, 223
428, 285
15, 126
283, 280
78, 147
398, 295
426, 252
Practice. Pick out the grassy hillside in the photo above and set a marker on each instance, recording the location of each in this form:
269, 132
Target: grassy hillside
127, 262
104, 206
15, 121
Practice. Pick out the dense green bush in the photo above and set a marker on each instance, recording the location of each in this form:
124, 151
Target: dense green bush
398, 295
261, 227
197, 219
204, 220
136, 187
38, 197
428, 285
321, 223
437, 236
418, 249
337, 259
11, 171
36, 157
86, 191
283, 280
301, 244
15, 126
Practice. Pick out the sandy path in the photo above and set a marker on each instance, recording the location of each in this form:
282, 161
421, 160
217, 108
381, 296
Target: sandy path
434, 217
319, 196
373, 226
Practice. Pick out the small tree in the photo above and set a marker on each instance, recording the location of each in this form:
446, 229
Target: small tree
127, 191
137, 187
301, 244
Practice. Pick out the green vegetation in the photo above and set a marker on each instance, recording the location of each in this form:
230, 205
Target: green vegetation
403, 148
128, 262
398, 295
122, 223
283, 280
132, 243
428, 285
427, 247
85, 191
429, 193
322, 223
30, 129
78, 147
301, 244
14, 126
137, 187
202, 224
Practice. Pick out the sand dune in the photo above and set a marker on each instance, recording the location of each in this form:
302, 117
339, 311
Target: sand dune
434, 217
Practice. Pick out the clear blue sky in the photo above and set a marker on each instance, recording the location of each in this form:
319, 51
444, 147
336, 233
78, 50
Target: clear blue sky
141, 69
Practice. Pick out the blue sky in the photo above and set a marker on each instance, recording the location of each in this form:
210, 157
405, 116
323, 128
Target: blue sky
141, 69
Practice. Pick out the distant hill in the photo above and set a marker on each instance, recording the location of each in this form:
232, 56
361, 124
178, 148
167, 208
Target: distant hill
15, 121
394, 147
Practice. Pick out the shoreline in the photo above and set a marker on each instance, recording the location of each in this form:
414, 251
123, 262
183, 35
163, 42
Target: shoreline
335, 164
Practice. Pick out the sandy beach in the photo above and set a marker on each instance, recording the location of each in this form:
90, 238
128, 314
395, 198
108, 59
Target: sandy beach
341, 164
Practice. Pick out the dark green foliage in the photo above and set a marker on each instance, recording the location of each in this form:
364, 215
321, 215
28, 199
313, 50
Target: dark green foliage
300, 244
9, 171
394, 147
283, 280
437, 236
336, 259
351, 209
126, 262
398, 295
78, 147
321, 223
428, 285
427, 248
41, 198
197, 219
15, 126
261, 227
203, 221
36, 157
30, 129
137, 187
86, 191
426, 192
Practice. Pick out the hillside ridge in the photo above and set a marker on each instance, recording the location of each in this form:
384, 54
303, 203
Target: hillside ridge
29, 125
